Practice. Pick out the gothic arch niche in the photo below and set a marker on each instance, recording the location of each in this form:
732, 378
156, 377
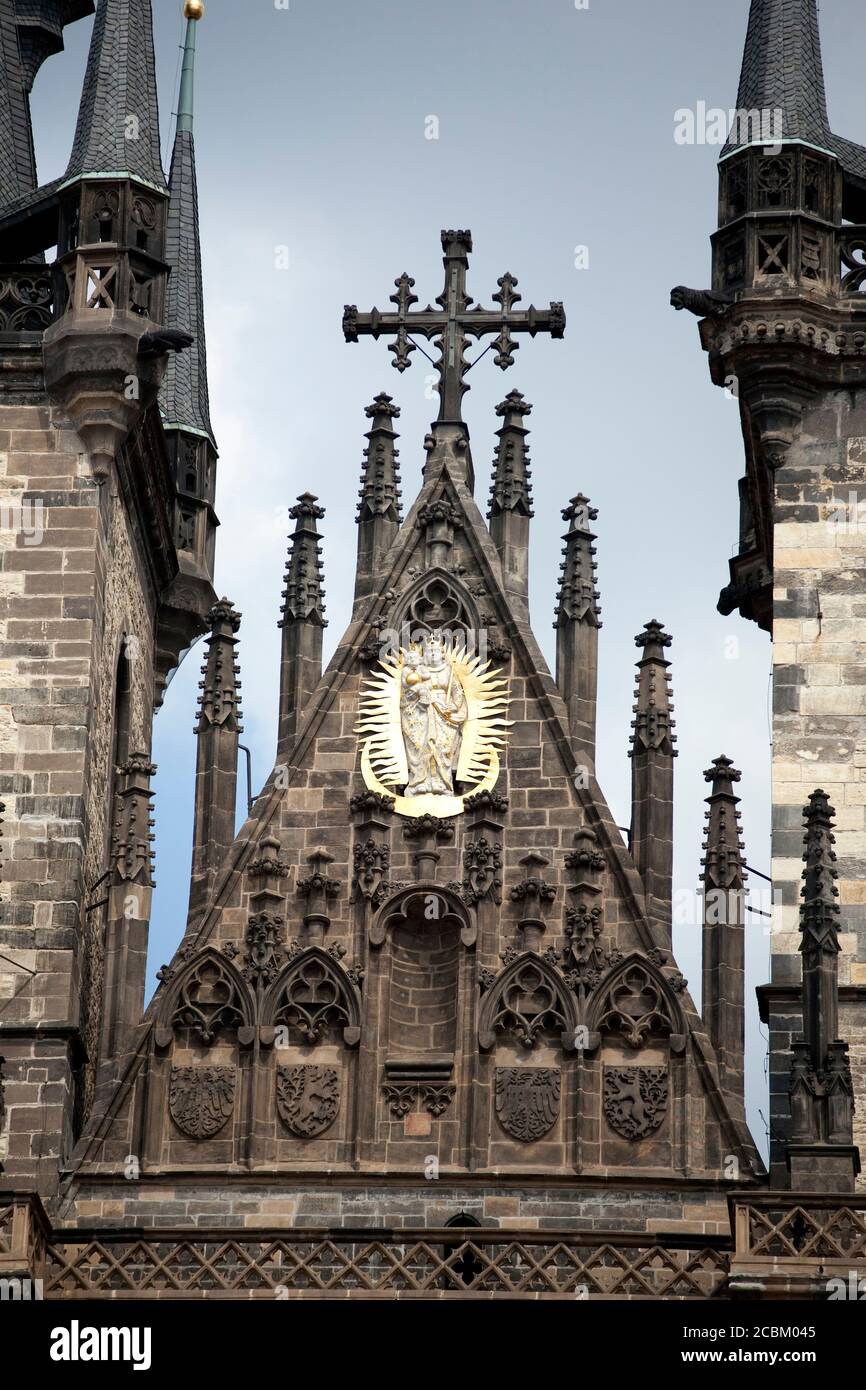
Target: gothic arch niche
526, 1036
422, 985
311, 1025
638, 1077
438, 602
198, 1081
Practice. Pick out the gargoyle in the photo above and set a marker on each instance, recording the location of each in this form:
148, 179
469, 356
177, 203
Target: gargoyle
704, 303
163, 341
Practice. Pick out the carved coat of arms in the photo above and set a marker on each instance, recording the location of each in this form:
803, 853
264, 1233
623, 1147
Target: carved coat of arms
635, 1099
527, 1100
201, 1099
308, 1099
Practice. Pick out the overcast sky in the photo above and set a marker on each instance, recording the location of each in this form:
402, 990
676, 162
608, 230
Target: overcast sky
555, 131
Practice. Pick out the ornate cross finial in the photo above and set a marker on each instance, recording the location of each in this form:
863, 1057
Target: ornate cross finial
454, 323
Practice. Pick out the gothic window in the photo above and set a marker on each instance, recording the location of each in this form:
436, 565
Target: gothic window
209, 998
438, 603
527, 1002
634, 1004
775, 182
315, 1000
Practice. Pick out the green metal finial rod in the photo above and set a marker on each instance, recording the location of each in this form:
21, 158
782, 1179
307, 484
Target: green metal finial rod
187, 80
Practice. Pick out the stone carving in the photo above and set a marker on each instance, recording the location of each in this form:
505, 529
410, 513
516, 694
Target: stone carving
263, 958
634, 1005
208, 1000
433, 716
317, 998
527, 1002
308, 1099
482, 859
635, 1099
201, 1099
372, 861
527, 1100
434, 1098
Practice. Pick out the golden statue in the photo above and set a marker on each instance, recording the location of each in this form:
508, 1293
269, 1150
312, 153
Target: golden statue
432, 717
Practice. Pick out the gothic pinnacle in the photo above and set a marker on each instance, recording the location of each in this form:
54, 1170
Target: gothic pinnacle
303, 596
653, 724
380, 484
219, 702
819, 913
511, 490
577, 597
723, 860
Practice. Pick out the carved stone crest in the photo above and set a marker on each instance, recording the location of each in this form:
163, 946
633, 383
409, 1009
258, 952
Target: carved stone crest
308, 1099
201, 1099
635, 1099
527, 1100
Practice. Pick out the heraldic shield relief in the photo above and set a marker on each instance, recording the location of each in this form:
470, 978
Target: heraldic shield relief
527, 1100
433, 717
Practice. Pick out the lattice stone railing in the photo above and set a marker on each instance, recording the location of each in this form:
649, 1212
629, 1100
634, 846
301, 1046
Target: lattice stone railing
792, 1242
435, 1264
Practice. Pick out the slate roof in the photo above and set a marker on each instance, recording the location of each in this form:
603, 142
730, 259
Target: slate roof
783, 70
120, 82
184, 397
17, 168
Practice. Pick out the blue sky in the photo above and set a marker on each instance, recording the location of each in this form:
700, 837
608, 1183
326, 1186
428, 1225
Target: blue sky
555, 131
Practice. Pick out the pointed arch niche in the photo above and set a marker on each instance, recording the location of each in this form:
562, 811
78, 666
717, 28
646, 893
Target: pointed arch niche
420, 1021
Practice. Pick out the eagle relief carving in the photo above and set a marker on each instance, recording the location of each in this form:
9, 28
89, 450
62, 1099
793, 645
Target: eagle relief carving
201, 1099
433, 717
527, 1100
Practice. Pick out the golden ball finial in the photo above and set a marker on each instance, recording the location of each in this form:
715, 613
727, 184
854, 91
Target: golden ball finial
193, 9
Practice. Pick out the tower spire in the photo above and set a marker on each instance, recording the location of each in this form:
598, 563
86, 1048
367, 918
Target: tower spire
723, 880
303, 619
577, 623
652, 775
379, 510
510, 509
184, 398
118, 121
218, 730
783, 76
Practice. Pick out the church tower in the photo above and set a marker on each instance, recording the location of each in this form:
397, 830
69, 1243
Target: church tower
101, 593
784, 327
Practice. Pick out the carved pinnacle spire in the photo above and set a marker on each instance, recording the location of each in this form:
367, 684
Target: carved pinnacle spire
652, 756
577, 598
303, 596
723, 879
819, 913
723, 862
380, 484
219, 701
653, 724
511, 490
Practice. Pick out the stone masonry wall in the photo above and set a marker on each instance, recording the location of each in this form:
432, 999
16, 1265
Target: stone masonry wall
70, 591
819, 700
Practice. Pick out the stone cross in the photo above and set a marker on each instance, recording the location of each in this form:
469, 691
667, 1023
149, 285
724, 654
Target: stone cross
454, 323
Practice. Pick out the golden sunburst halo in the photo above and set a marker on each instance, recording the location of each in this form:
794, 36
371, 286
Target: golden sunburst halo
384, 764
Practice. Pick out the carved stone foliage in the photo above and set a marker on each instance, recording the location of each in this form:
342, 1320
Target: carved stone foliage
263, 958
635, 1099
201, 1099
207, 998
423, 904
527, 1100
527, 1000
482, 860
308, 1099
634, 1004
372, 859
434, 1098
315, 997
